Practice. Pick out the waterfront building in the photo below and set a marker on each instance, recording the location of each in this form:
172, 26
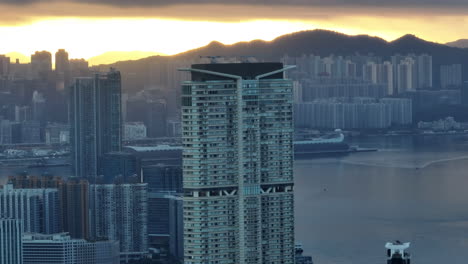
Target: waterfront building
447, 124
60, 248
11, 231
57, 133
344, 113
424, 101
237, 132
356, 113
38, 209
96, 122
402, 110
322, 88
120, 212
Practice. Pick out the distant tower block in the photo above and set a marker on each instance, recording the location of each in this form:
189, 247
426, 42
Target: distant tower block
396, 253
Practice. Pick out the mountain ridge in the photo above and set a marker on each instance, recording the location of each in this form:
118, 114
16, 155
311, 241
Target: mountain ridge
461, 43
318, 42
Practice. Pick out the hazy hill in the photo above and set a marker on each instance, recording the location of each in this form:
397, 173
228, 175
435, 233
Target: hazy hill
461, 43
318, 42
324, 43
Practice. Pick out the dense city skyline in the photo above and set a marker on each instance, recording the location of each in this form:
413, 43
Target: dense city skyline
154, 26
233, 132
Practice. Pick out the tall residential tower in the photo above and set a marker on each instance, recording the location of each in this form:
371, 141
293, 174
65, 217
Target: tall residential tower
120, 212
237, 127
95, 120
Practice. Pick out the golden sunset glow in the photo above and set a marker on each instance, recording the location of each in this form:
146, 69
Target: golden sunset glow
85, 38
171, 30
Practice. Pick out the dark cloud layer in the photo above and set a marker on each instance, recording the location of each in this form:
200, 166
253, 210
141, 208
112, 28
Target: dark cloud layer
20, 12
317, 3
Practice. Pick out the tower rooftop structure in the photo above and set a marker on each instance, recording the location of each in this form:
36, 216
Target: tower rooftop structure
396, 252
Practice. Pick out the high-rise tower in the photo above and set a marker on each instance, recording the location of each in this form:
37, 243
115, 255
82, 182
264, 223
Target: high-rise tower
62, 64
237, 127
39, 209
120, 212
4, 66
95, 120
74, 197
62, 69
41, 64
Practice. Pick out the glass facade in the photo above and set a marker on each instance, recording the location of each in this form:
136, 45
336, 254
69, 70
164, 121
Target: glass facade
96, 122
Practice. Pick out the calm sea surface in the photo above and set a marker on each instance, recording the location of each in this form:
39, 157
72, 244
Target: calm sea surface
414, 189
